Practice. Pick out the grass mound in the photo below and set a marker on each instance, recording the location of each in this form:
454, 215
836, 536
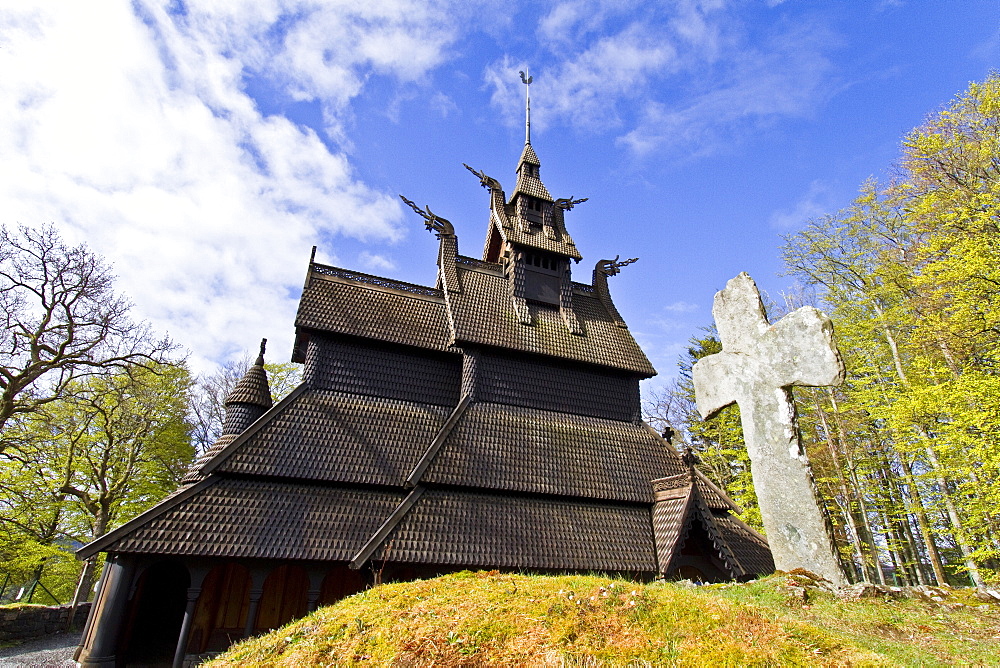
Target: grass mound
513, 620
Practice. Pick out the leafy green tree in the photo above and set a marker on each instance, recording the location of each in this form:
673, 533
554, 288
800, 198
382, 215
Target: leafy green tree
111, 447
910, 275
952, 190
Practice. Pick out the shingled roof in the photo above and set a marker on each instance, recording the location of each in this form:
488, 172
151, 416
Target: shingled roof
228, 517
253, 387
561, 244
509, 448
483, 314
346, 302
680, 506
501, 531
341, 438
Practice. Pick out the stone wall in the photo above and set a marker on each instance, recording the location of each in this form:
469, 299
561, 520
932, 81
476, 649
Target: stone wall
24, 622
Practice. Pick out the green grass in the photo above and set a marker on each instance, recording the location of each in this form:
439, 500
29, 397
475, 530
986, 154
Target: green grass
514, 620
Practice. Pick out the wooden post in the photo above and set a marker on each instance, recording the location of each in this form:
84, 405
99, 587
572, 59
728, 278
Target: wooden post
255, 594
100, 642
185, 634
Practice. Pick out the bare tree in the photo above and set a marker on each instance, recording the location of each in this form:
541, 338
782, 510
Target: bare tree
669, 409
61, 320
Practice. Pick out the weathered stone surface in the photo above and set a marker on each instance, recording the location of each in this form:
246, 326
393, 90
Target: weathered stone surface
926, 592
758, 364
984, 594
32, 621
860, 591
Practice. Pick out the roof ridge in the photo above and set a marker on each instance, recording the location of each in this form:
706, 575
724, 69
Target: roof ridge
683, 528
387, 527
432, 450
627, 423
715, 534
373, 280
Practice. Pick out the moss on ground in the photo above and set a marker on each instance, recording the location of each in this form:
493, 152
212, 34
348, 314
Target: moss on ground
468, 619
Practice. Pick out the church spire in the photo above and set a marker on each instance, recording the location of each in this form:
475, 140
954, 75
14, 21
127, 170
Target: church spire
250, 397
526, 80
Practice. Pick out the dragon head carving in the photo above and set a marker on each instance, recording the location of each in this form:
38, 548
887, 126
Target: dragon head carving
485, 181
567, 203
433, 222
612, 267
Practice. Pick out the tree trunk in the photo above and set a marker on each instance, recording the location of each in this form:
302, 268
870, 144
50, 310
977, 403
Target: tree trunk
845, 490
83, 589
86, 584
902, 540
956, 523
925, 529
953, 515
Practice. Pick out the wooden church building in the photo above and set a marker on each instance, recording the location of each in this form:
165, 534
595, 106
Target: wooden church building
491, 421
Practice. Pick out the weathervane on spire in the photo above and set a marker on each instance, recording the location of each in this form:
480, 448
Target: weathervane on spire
526, 80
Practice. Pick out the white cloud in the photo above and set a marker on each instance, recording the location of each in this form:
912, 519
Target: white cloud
817, 201
700, 25
687, 75
561, 23
585, 89
789, 75
376, 262
681, 307
571, 21
885, 5
128, 127
669, 325
443, 104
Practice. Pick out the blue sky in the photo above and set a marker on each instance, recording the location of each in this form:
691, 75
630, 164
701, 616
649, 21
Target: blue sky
204, 147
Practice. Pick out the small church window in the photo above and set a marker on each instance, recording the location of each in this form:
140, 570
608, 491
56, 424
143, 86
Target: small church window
542, 278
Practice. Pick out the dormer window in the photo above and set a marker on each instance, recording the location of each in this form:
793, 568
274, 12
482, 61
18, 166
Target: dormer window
532, 209
542, 277
541, 261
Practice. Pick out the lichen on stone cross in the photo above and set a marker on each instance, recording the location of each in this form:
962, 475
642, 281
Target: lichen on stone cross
758, 364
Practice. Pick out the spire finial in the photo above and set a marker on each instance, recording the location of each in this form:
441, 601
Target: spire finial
260, 358
526, 80
689, 458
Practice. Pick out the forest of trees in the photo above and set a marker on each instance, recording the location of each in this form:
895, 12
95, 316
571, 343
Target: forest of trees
906, 453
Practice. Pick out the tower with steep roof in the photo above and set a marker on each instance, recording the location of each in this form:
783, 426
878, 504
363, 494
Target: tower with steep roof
491, 421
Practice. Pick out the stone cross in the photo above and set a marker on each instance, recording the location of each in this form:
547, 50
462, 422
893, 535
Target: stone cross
758, 364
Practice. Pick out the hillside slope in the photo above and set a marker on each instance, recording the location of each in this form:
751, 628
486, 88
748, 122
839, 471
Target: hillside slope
512, 620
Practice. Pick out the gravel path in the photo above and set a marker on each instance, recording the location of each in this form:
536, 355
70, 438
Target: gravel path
54, 650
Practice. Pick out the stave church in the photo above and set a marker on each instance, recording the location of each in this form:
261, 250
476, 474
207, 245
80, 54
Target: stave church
491, 421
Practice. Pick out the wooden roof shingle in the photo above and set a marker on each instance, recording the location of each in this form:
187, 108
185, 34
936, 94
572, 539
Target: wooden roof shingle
339, 437
261, 519
517, 449
484, 314
343, 302
471, 529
